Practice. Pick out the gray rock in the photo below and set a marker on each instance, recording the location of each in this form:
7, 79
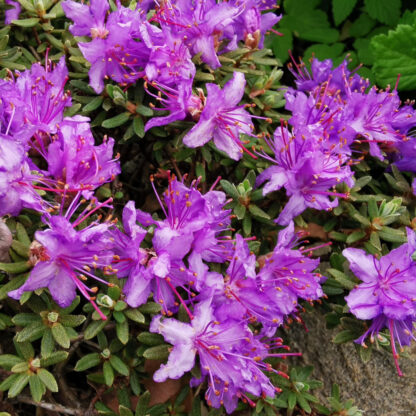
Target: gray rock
6, 240
375, 386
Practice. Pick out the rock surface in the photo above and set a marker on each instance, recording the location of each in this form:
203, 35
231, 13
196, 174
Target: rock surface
375, 386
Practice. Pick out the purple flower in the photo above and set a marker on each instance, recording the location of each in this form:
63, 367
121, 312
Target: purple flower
191, 229
12, 111
43, 91
288, 274
201, 23
306, 170
193, 222
340, 107
128, 256
251, 24
179, 101
170, 63
337, 81
320, 117
74, 160
230, 357
242, 296
88, 20
66, 257
13, 12
119, 48
388, 292
371, 116
222, 119
145, 271
33, 104
16, 190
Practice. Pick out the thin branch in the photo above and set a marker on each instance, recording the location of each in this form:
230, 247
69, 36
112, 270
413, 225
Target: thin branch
51, 406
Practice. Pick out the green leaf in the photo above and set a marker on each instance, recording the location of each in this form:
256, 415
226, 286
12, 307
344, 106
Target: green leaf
365, 353
394, 54
257, 212
355, 236
15, 268
124, 411
303, 403
116, 121
240, 211
48, 380
135, 315
18, 385
3, 42
291, 400
310, 25
101, 408
8, 382
122, 331
108, 373
7, 361
14, 284
93, 104
24, 319
25, 350
364, 52
138, 126
385, 11
229, 188
26, 22
375, 240
150, 339
37, 388
60, 335
119, 365
196, 406
94, 328
119, 317
364, 180
72, 320
21, 367
21, 234
5, 321
341, 9
362, 26
345, 336
150, 308
47, 343
392, 235
342, 278
32, 332
144, 111
88, 361
408, 18
159, 352
54, 358
297, 6
247, 223
281, 44
321, 51
142, 404
182, 396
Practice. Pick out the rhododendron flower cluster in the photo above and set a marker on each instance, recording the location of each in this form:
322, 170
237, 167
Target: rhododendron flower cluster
333, 110
51, 164
387, 295
125, 46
